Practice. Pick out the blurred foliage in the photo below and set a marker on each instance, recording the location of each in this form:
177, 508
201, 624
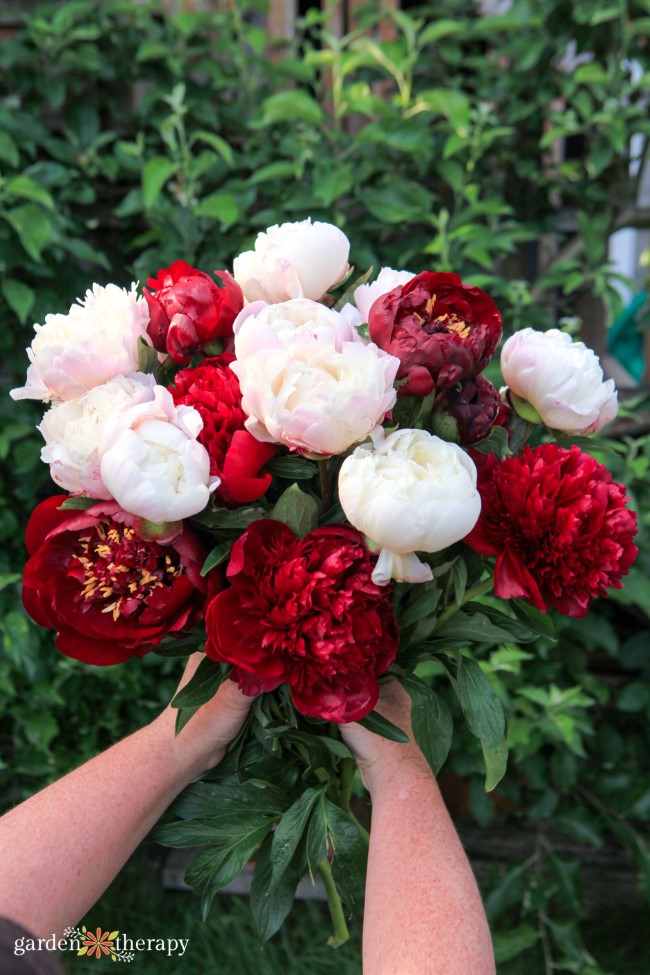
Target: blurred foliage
130, 137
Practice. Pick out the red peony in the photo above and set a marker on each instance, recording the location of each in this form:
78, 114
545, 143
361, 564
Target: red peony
472, 406
235, 455
305, 612
108, 594
188, 310
558, 526
440, 329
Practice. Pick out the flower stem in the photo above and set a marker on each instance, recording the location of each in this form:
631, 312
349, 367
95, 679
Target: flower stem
324, 485
341, 933
470, 594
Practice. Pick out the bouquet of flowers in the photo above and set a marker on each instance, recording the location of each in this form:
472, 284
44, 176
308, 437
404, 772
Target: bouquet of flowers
322, 495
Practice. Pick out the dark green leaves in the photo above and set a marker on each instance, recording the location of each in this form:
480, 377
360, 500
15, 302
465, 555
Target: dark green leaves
430, 720
297, 510
203, 685
484, 717
270, 905
380, 725
289, 833
291, 468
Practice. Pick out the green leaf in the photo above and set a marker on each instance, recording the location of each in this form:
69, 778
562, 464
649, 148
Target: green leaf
380, 725
289, 832
496, 761
181, 646
214, 868
214, 831
350, 854
8, 150
291, 106
33, 226
291, 468
204, 800
272, 172
297, 509
476, 627
204, 684
148, 360
399, 203
214, 558
532, 617
269, 906
182, 718
20, 297
220, 206
496, 442
430, 719
217, 143
28, 189
155, 173
316, 838
423, 602
348, 295
223, 519
509, 944
78, 503
438, 30
481, 707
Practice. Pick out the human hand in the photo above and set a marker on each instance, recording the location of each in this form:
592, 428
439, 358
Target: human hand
204, 740
379, 759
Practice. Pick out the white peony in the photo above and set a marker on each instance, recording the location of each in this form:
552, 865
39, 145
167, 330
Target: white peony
367, 294
72, 431
293, 260
413, 492
561, 379
152, 463
314, 398
94, 342
263, 326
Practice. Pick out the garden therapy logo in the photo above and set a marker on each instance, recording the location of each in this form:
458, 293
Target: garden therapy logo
119, 947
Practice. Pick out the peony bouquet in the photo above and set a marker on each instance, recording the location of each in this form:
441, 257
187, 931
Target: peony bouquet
322, 492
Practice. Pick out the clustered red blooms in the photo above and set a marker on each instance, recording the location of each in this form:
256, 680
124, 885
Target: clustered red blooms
440, 329
558, 526
305, 612
108, 594
188, 310
473, 405
235, 455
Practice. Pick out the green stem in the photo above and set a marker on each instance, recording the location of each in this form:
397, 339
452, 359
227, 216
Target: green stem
341, 933
470, 594
324, 485
348, 766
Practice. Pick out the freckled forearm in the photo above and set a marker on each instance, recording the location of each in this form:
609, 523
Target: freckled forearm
424, 914
61, 848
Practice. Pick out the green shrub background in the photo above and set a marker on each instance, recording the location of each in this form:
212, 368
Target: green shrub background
130, 137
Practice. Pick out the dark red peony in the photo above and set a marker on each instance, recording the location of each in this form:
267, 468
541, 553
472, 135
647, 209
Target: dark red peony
305, 612
467, 411
558, 526
440, 329
108, 594
188, 310
235, 455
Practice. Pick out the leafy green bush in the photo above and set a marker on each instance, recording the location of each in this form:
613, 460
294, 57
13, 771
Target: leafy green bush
130, 137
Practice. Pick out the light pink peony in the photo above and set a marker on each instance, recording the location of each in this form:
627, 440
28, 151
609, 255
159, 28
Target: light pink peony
263, 326
72, 431
152, 462
94, 342
316, 399
367, 294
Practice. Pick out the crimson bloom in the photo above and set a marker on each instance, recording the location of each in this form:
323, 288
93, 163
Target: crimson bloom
441, 330
187, 310
236, 456
558, 525
305, 612
108, 594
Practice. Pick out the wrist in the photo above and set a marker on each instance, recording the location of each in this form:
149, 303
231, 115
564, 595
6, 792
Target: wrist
394, 773
189, 756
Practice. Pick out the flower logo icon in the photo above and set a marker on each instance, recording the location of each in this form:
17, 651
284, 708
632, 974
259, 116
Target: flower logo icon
99, 943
